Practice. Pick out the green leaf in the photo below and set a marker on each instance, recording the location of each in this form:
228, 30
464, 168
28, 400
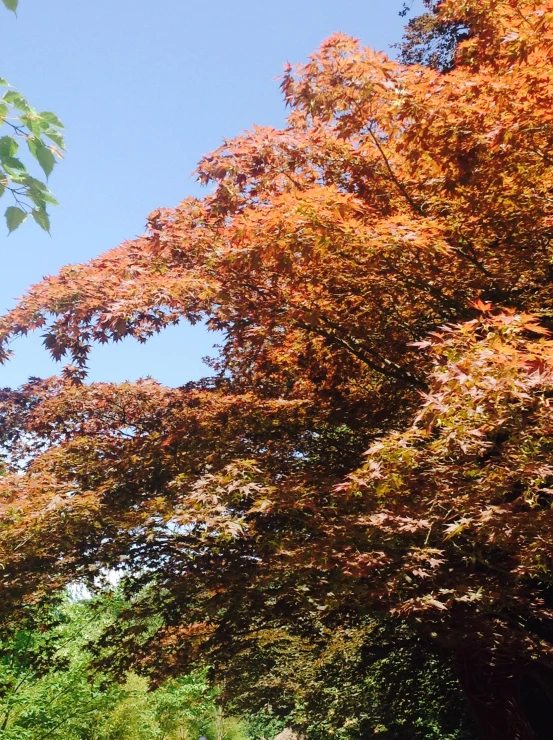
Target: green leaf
8, 147
4, 83
11, 4
56, 137
14, 218
45, 196
17, 100
32, 144
49, 198
45, 158
16, 176
38, 192
13, 163
42, 218
51, 118
34, 124
42, 199
4, 110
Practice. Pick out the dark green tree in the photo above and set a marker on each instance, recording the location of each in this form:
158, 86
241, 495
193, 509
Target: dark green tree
429, 39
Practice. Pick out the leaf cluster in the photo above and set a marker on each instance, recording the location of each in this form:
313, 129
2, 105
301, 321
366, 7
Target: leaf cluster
48, 687
41, 133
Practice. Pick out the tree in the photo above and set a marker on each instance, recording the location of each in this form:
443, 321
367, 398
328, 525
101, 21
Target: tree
42, 134
49, 688
376, 677
430, 39
381, 271
45, 687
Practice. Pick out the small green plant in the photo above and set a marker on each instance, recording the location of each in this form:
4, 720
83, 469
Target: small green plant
41, 134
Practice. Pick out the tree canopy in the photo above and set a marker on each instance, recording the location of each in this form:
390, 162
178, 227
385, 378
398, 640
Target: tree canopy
431, 38
50, 689
377, 434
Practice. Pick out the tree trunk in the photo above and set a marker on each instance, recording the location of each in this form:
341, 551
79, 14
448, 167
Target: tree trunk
511, 697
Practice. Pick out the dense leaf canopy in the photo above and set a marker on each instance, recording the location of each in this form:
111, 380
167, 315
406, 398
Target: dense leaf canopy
381, 270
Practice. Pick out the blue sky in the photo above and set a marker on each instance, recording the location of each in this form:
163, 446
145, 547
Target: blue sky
145, 88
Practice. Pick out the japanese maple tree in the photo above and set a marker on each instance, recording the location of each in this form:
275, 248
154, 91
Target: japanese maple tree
377, 435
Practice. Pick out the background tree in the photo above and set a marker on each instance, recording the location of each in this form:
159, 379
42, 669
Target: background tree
49, 688
372, 678
431, 40
352, 261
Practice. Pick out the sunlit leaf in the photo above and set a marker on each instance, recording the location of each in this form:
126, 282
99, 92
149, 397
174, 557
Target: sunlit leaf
41, 217
17, 100
8, 147
45, 158
51, 119
11, 4
14, 217
56, 137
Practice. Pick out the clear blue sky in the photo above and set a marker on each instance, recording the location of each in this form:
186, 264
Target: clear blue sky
145, 88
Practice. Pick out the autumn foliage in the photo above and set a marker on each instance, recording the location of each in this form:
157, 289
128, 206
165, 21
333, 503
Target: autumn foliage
378, 431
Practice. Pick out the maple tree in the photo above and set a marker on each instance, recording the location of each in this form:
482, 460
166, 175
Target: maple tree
377, 433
